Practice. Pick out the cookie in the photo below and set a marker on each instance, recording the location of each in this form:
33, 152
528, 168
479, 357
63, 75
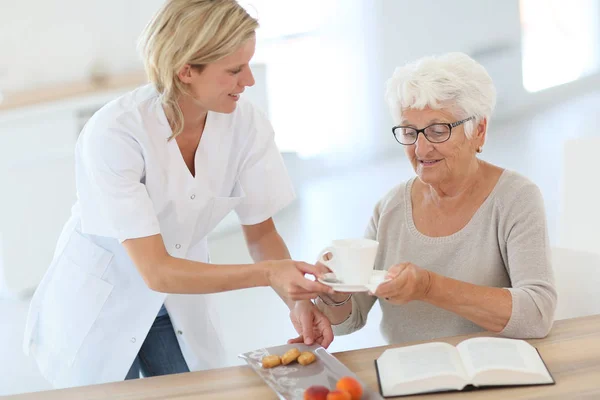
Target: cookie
290, 356
271, 361
306, 358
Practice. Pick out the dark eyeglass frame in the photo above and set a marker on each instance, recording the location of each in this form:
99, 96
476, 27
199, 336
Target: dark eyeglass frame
449, 125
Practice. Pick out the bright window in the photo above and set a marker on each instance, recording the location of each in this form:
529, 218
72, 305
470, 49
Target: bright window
293, 44
560, 41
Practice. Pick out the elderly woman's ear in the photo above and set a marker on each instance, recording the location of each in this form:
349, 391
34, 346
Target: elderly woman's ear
479, 134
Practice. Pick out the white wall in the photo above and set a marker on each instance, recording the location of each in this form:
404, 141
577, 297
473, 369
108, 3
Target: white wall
368, 39
340, 111
326, 89
346, 62
46, 42
579, 219
488, 30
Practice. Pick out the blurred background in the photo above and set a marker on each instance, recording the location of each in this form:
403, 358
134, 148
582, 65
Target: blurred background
320, 69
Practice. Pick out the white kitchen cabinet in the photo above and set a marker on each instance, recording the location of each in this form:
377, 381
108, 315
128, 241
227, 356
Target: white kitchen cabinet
37, 181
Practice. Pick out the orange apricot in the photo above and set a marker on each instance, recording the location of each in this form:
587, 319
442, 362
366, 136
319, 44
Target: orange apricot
350, 385
339, 395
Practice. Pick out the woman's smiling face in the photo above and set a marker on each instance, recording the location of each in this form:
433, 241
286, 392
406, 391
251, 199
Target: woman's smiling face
439, 163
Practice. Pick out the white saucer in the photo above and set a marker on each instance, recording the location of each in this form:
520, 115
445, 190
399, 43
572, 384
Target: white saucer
330, 280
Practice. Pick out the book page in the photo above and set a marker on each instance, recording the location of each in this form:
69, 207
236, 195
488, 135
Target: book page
502, 361
420, 368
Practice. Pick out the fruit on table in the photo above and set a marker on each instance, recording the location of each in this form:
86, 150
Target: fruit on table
346, 388
350, 385
339, 395
316, 393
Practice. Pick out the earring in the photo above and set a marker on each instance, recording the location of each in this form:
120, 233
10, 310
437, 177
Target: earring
480, 149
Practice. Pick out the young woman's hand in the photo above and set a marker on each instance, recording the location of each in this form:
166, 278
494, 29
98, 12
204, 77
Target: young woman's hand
288, 280
311, 324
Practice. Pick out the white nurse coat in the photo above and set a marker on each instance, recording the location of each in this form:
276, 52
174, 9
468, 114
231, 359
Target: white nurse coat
92, 310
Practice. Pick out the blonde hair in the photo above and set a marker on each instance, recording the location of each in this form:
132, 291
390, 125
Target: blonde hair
195, 32
452, 80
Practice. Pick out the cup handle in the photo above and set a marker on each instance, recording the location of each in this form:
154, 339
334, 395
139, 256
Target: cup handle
328, 263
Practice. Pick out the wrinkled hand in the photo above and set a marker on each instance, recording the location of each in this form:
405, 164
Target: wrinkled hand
311, 324
407, 283
287, 278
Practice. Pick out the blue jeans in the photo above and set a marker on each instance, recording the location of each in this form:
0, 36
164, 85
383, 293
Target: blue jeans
160, 353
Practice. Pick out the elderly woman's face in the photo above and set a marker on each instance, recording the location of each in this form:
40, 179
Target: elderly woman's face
438, 163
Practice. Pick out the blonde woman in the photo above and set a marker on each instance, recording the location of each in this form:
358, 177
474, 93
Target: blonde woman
156, 170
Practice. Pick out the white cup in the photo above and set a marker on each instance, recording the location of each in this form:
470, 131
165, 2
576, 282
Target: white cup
352, 260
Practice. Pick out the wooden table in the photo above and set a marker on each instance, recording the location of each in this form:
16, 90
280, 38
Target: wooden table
571, 352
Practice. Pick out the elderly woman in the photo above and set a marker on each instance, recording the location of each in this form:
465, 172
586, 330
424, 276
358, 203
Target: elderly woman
464, 242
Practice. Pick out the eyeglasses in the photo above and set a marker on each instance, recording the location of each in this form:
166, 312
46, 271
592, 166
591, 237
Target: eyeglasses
435, 133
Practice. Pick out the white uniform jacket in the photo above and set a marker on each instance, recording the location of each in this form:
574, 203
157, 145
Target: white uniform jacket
92, 310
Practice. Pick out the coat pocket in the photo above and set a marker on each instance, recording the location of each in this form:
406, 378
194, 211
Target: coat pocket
72, 300
224, 205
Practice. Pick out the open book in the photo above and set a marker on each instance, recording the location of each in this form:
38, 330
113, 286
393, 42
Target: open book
477, 362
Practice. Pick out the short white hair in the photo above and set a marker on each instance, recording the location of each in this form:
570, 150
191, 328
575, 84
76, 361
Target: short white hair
453, 81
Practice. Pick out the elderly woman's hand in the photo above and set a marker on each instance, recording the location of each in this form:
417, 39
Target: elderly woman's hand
407, 282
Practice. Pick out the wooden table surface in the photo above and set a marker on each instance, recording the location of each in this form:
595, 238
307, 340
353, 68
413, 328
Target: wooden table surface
571, 351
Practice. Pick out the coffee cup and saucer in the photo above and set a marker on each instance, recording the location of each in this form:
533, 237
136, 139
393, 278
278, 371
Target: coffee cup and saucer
351, 262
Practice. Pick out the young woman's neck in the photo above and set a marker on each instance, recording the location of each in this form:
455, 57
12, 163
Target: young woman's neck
194, 116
